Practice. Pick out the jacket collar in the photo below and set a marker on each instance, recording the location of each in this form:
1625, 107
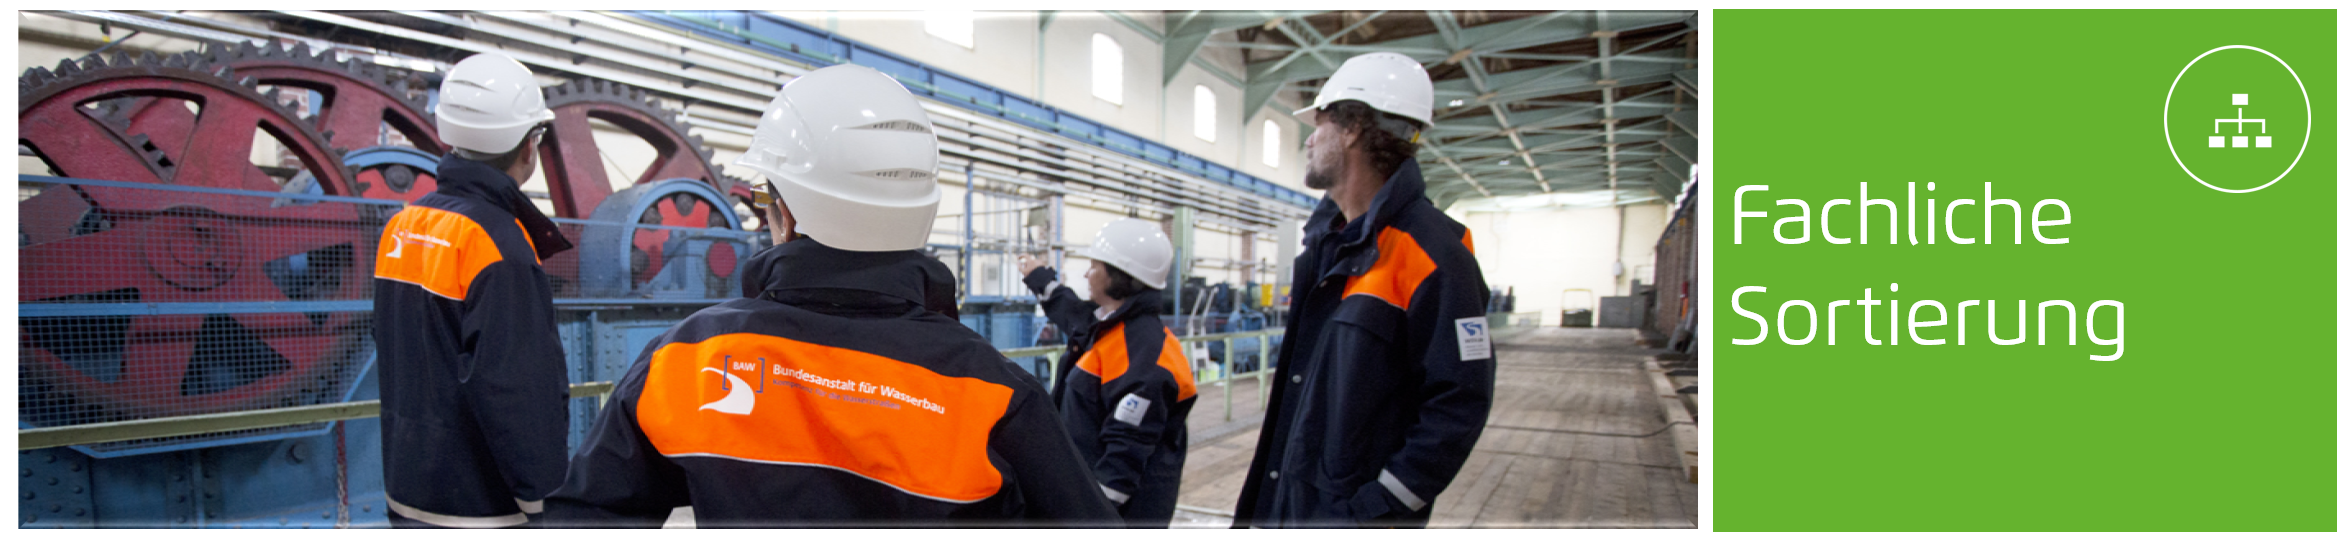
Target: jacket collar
1143, 303
1404, 188
805, 268
465, 178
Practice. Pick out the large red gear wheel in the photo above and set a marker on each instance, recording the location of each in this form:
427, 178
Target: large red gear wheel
580, 182
92, 244
363, 103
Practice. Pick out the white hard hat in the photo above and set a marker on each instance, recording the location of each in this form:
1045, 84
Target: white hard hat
1388, 82
488, 103
854, 157
1137, 247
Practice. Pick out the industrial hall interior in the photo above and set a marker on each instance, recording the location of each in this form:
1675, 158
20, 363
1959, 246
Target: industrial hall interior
1185, 269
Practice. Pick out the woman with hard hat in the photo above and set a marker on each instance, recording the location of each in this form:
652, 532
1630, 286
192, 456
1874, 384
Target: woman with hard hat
1125, 399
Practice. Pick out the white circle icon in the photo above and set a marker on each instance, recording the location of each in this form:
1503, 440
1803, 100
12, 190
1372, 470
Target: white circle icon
2239, 142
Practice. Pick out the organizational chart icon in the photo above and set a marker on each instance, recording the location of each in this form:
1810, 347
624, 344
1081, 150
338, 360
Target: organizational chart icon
2256, 112
2239, 123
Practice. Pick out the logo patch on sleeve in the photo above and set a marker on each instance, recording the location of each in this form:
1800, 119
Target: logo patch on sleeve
1131, 410
1476, 339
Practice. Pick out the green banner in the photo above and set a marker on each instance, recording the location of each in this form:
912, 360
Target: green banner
2023, 270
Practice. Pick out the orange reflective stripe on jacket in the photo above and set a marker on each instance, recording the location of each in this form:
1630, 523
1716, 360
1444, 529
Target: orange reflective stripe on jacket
1108, 359
440, 250
760, 398
1402, 265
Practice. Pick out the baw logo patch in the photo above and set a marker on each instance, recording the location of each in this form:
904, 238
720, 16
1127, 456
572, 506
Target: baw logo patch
1476, 339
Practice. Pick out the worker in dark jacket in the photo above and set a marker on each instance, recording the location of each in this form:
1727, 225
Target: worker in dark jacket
474, 386
835, 396
1129, 389
1387, 365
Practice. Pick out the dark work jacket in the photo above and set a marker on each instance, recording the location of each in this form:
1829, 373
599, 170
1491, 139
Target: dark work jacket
474, 385
836, 398
1124, 400
1387, 369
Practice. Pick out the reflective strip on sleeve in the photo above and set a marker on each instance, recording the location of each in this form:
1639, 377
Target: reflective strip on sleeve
1116, 496
456, 522
1402, 493
1050, 289
530, 506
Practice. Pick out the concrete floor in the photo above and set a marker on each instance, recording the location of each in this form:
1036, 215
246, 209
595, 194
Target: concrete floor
1577, 439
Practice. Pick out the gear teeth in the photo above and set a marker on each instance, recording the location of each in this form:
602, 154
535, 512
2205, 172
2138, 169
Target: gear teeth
273, 95
328, 135
300, 50
93, 62
148, 59
224, 72
248, 82
246, 49
37, 76
121, 59
68, 68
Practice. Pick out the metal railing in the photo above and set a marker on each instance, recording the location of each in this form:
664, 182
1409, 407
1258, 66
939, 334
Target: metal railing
106, 432
39, 438
1194, 345
215, 423
234, 315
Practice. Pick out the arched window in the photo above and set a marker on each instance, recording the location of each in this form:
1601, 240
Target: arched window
1273, 152
1205, 113
1107, 74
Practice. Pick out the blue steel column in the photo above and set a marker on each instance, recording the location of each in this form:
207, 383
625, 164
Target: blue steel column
966, 239
1184, 263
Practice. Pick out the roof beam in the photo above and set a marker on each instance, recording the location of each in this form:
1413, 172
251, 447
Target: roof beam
1607, 95
1131, 22
1190, 31
1448, 162
1186, 32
